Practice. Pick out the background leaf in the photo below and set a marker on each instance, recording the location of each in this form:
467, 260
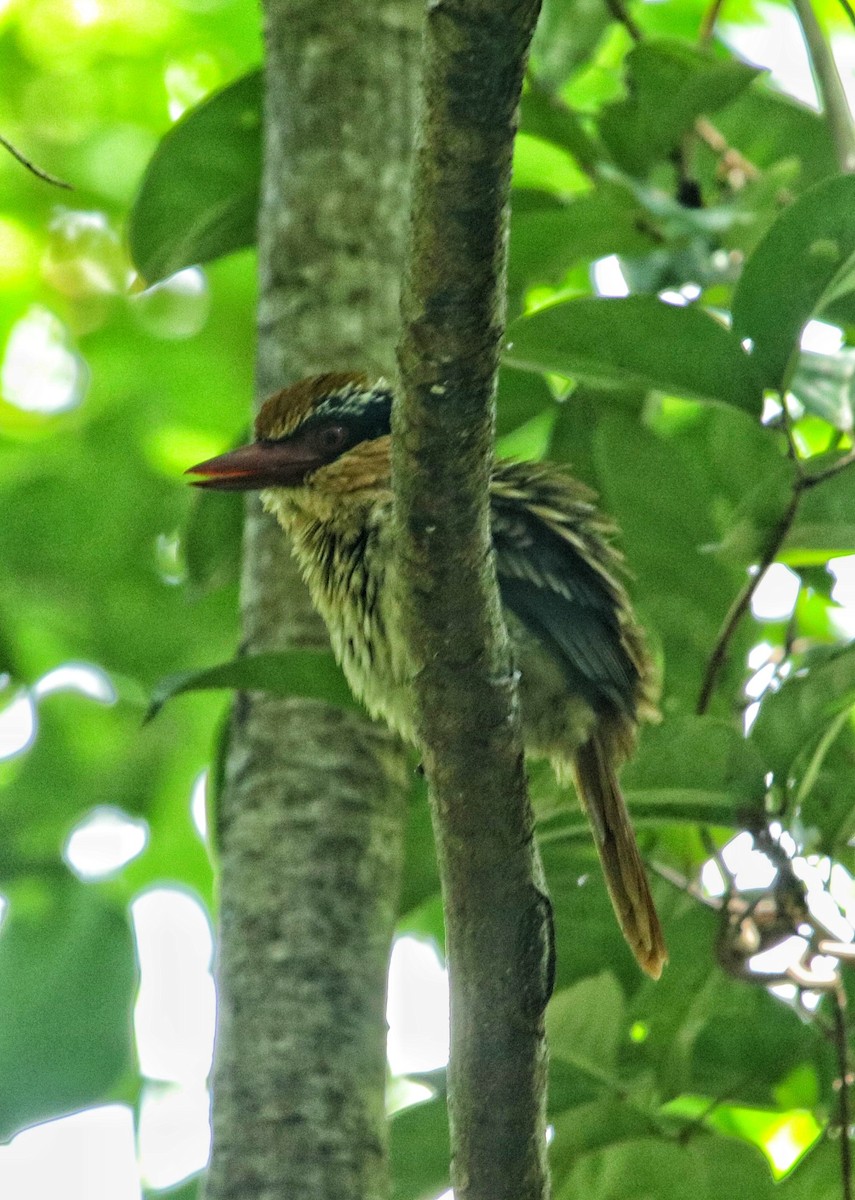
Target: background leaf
199, 197
636, 341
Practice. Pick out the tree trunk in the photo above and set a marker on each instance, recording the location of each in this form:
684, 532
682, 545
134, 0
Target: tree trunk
312, 813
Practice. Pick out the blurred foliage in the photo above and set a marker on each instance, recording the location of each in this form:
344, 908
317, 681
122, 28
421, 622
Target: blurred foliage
643, 144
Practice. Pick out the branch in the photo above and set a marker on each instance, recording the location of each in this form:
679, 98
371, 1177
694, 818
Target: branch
498, 919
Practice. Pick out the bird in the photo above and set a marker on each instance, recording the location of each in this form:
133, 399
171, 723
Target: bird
321, 461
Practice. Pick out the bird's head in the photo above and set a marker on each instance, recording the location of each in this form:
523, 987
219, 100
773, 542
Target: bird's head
320, 442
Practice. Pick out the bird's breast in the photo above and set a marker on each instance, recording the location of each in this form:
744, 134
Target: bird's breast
349, 574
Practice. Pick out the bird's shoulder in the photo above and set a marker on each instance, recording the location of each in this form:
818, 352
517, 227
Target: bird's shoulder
561, 576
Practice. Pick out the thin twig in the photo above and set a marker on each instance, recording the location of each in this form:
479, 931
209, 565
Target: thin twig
741, 604
804, 482
623, 16
842, 1047
810, 481
39, 172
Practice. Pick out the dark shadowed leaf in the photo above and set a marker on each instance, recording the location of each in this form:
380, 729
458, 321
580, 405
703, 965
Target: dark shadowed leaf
637, 340
544, 245
419, 1151
310, 674
804, 260
199, 196
67, 981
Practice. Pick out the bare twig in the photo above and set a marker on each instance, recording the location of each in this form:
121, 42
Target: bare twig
39, 172
742, 602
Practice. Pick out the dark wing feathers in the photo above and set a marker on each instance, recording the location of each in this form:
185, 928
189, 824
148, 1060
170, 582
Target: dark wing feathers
556, 574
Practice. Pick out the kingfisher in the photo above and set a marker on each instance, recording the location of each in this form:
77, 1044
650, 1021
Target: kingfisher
321, 461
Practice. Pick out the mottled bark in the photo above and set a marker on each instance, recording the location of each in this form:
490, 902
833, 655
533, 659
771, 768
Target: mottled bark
497, 915
311, 820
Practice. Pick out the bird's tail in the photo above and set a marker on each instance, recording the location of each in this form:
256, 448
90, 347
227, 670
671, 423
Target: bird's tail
600, 792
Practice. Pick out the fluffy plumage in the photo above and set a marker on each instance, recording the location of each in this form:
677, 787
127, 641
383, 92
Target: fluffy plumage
322, 463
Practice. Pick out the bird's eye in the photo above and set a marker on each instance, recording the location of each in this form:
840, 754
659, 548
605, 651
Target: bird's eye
332, 438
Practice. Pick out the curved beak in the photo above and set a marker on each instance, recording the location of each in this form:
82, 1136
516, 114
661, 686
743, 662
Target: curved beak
258, 465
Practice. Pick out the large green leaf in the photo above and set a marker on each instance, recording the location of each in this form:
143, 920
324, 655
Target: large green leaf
199, 197
311, 674
801, 263
67, 982
637, 340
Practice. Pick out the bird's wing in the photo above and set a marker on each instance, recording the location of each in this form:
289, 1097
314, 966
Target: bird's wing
556, 574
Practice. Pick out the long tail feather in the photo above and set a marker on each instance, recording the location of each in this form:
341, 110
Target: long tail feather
626, 879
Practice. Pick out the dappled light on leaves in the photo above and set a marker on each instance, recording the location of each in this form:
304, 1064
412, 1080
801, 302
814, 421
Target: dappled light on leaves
103, 842
41, 372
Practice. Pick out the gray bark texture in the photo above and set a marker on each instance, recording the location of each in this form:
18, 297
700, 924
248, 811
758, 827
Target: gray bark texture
498, 918
312, 812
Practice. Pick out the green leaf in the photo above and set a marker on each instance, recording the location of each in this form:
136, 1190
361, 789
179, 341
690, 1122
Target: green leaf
544, 116
793, 718
824, 384
825, 521
795, 270
199, 196
544, 245
705, 1167
419, 1151
585, 1025
637, 340
770, 128
309, 674
190, 1189
67, 981
670, 85
565, 36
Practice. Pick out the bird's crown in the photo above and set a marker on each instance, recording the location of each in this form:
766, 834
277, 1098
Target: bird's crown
350, 400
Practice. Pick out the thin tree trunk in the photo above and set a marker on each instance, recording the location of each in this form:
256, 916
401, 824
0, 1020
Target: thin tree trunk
312, 814
498, 919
